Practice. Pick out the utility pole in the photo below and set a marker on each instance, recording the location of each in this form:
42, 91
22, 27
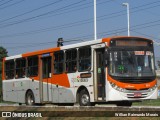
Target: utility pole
95, 21
128, 17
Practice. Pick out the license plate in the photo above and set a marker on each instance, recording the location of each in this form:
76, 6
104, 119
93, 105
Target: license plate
137, 95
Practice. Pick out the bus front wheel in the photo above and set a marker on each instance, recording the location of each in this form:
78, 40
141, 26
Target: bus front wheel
30, 100
84, 98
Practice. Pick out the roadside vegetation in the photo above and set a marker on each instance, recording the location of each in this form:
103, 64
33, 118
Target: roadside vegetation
148, 103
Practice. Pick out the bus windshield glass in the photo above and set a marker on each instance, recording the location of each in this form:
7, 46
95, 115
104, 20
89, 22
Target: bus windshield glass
131, 63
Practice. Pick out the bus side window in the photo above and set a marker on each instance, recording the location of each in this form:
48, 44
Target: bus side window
32, 69
84, 59
9, 69
71, 60
58, 62
20, 68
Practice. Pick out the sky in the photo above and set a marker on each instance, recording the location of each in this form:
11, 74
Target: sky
29, 25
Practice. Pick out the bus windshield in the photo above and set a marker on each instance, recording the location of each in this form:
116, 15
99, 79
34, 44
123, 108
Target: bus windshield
131, 63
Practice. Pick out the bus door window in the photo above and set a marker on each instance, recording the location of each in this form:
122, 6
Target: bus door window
46, 65
100, 73
46, 75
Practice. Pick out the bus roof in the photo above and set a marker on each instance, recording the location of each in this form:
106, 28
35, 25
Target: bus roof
86, 43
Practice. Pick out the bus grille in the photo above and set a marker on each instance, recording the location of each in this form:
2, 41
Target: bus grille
131, 95
136, 89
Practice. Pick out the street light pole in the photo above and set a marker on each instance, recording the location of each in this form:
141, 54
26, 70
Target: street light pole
95, 21
127, 5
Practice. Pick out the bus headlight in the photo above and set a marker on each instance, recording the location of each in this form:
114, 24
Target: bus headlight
153, 88
116, 87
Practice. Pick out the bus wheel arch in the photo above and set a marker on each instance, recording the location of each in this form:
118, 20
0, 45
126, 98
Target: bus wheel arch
29, 97
83, 97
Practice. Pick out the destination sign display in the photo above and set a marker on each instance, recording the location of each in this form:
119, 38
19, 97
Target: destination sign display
131, 43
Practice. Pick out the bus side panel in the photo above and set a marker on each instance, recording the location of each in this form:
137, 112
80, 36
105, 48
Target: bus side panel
27, 84
15, 90
49, 92
35, 87
9, 91
55, 94
22, 85
66, 95
63, 94
85, 82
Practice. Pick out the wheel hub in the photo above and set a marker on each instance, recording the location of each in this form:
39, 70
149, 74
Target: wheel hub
85, 99
30, 100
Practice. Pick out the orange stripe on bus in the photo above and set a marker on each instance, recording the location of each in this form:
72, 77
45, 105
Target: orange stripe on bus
59, 79
106, 40
132, 86
41, 52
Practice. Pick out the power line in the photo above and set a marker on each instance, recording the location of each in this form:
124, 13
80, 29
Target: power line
26, 20
74, 24
132, 30
44, 14
29, 19
49, 28
44, 6
152, 37
12, 4
6, 2
97, 4
32, 45
78, 7
75, 39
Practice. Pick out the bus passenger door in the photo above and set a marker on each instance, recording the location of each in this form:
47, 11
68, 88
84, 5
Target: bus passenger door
99, 80
46, 79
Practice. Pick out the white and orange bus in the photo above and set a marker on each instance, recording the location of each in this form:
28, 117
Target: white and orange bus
117, 70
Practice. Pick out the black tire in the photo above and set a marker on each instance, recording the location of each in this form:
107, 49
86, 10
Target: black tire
124, 103
84, 98
30, 100
20, 104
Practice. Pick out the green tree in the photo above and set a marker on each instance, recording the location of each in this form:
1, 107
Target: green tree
3, 53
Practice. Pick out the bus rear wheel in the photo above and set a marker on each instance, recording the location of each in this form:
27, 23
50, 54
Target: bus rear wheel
84, 99
30, 100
